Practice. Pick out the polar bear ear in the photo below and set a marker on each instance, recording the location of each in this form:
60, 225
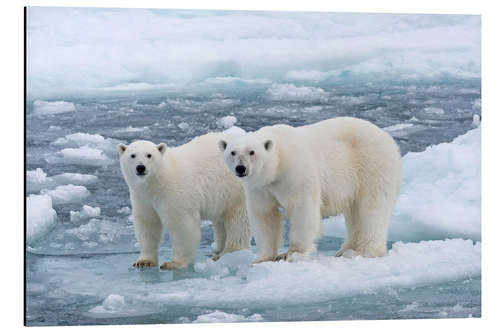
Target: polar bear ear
222, 145
268, 145
162, 147
121, 148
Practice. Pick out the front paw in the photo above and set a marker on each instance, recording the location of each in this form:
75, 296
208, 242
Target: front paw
171, 265
144, 263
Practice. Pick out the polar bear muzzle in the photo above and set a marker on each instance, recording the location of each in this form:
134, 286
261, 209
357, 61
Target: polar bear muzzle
241, 170
140, 170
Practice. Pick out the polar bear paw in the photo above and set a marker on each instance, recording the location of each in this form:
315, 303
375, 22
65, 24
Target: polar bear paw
144, 263
171, 265
290, 256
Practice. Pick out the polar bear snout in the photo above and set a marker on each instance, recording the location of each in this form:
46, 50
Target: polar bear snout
240, 170
140, 170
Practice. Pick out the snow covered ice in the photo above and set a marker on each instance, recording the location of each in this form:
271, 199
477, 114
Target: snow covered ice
415, 76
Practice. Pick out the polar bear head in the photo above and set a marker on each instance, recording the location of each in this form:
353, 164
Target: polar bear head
251, 157
140, 160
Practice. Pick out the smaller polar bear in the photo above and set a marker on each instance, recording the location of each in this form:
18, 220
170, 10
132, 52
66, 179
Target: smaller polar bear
177, 187
338, 166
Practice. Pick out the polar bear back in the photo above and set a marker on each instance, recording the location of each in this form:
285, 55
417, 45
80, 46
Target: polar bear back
348, 157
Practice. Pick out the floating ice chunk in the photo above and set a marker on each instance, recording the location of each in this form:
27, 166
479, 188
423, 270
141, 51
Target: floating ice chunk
97, 230
476, 104
111, 304
80, 139
124, 210
476, 120
37, 180
290, 92
183, 126
84, 156
227, 121
397, 127
86, 213
223, 317
40, 216
64, 194
85, 139
74, 178
314, 108
353, 100
131, 129
235, 131
43, 108
434, 110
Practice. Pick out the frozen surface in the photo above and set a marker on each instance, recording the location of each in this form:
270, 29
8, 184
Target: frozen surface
416, 76
242, 49
44, 108
254, 292
40, 216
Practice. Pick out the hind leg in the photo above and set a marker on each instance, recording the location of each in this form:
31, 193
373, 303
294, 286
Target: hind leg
367, 225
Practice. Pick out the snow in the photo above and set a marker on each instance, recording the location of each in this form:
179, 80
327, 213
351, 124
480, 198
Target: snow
65, 194
86, 213
172, 49
43, 108
40, 216
223, 317
227, 122
290, 92
440, 195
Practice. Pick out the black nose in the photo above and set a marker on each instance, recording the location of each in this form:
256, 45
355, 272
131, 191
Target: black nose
140, 169
240, 169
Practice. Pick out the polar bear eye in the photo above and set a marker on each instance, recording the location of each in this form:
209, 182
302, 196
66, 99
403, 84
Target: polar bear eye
233, 153
252, 152
133, 155
148, 155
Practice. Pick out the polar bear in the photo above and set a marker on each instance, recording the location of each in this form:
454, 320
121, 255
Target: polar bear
177, 187
337, 166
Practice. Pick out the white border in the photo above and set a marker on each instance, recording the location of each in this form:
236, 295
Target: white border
11, 90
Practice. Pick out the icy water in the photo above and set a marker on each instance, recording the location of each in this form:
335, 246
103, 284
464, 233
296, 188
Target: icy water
79, 272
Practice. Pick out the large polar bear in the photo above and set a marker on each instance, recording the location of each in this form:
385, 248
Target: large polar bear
177, 187
338, 166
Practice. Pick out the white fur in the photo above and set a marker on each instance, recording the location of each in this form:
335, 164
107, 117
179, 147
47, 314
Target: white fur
337, 166
183, 185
